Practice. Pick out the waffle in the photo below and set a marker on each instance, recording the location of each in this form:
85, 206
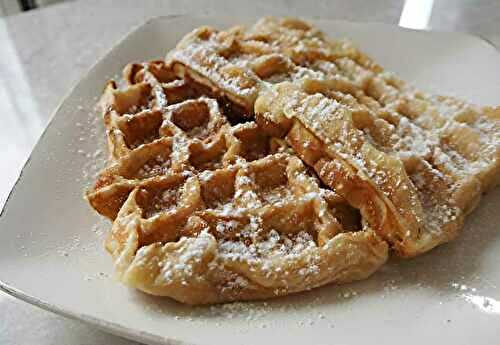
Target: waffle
204, 211
262, 161
450, 150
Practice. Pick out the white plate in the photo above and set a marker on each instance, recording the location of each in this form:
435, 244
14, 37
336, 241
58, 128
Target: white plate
51, 250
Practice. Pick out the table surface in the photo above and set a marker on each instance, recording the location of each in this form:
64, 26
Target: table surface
45, 52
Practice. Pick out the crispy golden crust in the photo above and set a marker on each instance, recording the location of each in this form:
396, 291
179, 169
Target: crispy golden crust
204, 211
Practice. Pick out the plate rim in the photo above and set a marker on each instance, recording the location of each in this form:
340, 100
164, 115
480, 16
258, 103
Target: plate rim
102, 324
115, 327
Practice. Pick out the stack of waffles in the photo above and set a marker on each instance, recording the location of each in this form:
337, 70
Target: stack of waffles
262, 161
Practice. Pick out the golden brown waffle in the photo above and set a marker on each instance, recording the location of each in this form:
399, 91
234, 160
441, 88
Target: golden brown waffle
248, 231
204, 211
450, 149
430, 127
257, 162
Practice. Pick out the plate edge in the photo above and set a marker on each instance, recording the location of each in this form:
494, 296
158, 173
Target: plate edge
106, 326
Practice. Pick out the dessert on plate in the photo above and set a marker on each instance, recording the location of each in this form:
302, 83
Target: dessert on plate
266, 160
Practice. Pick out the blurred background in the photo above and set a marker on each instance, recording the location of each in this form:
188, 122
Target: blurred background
9, 7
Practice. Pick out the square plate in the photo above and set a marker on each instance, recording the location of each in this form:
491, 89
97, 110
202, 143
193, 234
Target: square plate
51, 251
